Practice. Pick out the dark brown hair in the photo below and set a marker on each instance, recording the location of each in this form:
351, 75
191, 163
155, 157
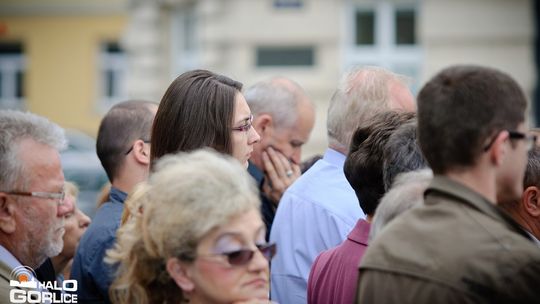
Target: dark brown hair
461, 109
196, 111
364, 164
122, 125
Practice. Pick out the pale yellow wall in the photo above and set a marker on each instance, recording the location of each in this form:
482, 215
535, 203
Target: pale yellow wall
62, 68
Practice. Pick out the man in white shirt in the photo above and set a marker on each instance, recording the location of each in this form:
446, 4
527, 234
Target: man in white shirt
318, 211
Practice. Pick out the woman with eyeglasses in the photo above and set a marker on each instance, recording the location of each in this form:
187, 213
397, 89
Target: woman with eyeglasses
203, 109
197, 238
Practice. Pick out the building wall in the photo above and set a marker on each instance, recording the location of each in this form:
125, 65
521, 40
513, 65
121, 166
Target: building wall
61, 42
495, 33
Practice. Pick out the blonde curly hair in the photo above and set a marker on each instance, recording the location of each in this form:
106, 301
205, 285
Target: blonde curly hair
187, 196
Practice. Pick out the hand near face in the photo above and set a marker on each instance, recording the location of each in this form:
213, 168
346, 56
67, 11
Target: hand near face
256, 301
280, 173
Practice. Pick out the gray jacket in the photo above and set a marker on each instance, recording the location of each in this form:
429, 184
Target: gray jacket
457, 248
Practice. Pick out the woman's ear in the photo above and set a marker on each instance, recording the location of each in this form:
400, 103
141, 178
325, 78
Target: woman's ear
180, 272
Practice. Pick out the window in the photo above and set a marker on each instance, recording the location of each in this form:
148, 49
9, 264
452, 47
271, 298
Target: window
12, 71
405, 26
184, 44
383, 33
285, 56
288, 3
365, 27
112, 74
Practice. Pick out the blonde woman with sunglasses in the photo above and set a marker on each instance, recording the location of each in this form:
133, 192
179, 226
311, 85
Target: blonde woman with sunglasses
196, 237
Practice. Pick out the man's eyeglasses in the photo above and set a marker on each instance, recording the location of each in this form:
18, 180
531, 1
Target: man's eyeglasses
131, 148
58, 196
530, 140
244, 256
245, 127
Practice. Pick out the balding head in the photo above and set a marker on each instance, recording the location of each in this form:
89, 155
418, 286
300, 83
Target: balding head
276, 105
361, 94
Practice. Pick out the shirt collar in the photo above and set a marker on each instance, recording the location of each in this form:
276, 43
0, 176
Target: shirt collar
8, 258
117, 196
334, 157
360, 233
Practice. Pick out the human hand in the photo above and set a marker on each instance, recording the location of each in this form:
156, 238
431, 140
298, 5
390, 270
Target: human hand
280, 173
256, 301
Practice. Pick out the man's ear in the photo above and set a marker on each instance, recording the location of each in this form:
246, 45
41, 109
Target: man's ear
531, 201
263, 124
497, 150
141, 152
7, 214
180, 272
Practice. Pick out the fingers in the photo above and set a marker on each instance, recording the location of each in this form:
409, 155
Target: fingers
280, 174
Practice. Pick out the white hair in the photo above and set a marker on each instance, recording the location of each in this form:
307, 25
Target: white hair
361, 93
407, 192
278, 97
16, 126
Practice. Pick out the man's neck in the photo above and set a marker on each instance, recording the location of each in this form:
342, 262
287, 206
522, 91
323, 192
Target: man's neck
477, 179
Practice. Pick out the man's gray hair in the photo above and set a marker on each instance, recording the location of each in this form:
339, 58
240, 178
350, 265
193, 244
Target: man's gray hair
278, 97
407, 192
402, 153
16, 126
361, 94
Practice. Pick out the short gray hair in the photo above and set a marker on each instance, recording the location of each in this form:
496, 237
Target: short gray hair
407, 192
361, 93
278, 97
402, 153
16, 126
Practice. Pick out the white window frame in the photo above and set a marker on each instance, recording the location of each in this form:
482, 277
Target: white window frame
184, 58
118, 64
10, 64
384, 52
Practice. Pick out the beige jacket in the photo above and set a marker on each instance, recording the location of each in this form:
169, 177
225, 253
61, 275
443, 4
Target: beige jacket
457, 248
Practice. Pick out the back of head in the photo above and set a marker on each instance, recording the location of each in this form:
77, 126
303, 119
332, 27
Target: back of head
196, 111
16, 126
187, 196
532, 173
361, 94
278, 97
460, 109
364, 165
402, 153
125, 123
406, 192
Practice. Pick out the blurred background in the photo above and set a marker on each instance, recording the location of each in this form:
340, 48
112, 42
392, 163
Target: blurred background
71, 60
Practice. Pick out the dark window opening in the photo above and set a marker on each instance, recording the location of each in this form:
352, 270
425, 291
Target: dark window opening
365, 28
405, 27
285, 56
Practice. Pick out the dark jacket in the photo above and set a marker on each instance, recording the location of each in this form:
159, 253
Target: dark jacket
89, 269
457, 248
268, 210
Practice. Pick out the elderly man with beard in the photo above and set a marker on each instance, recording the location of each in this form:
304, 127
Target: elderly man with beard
31, 193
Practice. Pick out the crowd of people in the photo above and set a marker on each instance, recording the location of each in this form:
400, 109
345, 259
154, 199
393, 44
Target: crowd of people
427, 200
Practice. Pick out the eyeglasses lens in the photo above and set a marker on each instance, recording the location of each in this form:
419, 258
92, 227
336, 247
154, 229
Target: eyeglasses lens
242, 257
